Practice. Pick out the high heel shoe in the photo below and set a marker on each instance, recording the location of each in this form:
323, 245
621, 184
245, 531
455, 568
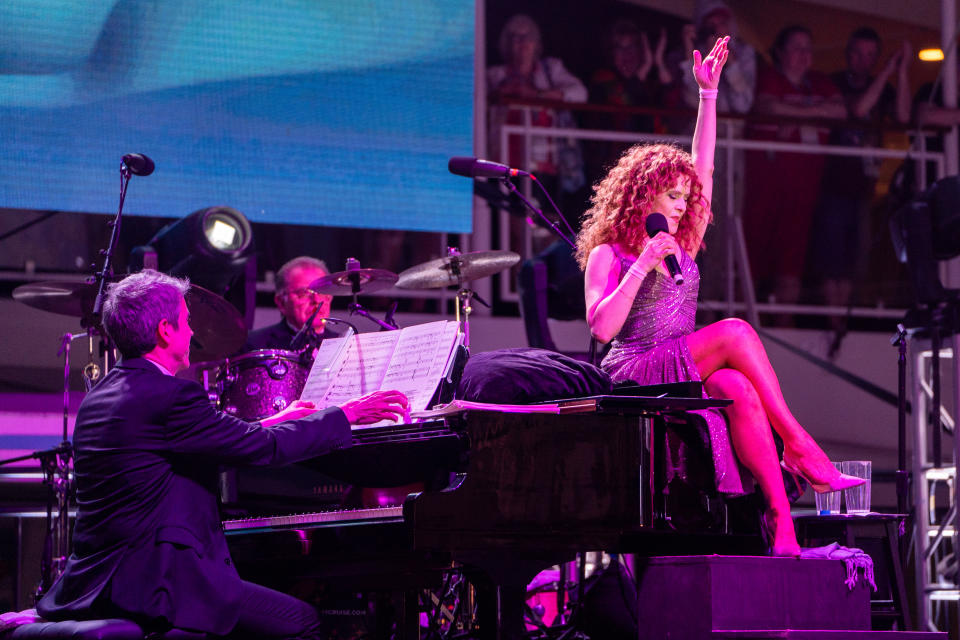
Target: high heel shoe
836, 482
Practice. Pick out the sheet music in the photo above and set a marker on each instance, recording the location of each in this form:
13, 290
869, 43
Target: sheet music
420, 360
411, 360
362, 370
330, 354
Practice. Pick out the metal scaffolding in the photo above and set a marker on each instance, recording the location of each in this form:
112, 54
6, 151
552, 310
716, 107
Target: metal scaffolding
934, 489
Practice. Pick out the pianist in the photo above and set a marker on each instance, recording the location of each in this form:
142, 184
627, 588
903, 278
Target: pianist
148, 543
296, 304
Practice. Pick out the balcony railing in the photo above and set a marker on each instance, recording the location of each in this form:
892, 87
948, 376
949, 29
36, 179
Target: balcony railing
732, 291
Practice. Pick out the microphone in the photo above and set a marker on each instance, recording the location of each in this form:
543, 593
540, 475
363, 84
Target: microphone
138, 164
476, 168
656, 222
302, 337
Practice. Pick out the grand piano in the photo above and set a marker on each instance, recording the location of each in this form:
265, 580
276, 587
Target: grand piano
525, 491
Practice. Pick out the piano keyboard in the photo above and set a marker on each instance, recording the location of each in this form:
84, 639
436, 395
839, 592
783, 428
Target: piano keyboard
342, 518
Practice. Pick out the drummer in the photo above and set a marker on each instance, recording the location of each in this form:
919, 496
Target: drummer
296, 304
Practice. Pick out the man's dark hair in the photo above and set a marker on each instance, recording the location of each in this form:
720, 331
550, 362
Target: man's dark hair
864, 33
783, 37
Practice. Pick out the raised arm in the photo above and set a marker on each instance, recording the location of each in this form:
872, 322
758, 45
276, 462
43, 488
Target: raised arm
707, 73
862, 107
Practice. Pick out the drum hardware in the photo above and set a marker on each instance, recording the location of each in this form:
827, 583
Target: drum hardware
454, 270
354, 281
68, 298
218, 328
58, 475
91, 371
258, 384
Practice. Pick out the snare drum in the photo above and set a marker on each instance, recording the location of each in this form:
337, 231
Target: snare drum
261, 383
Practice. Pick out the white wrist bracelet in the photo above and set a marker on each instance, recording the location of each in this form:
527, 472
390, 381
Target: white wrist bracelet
636, 272
708, 94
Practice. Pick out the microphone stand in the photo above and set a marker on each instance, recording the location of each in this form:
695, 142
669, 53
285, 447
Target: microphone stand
299, 340
346, 322
56, 462
105, 272
387, 324
92, 322
550, 223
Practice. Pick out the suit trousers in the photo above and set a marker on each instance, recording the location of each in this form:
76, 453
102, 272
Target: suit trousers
265, 613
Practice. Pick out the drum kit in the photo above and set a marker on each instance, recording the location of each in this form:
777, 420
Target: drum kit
258, 384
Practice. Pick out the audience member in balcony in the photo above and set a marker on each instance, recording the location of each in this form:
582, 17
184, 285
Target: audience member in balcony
631, 300
782, 187
928, 111
527, 75
840, 232
635, 76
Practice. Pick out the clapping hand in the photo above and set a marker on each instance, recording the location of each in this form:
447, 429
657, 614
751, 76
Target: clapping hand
707, 70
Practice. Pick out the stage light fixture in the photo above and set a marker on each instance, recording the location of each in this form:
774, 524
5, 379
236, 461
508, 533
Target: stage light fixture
926, 231
214, 248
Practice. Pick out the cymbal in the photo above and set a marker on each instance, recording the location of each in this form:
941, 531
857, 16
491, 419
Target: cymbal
342, 282
442, 272
68, 298
218, 328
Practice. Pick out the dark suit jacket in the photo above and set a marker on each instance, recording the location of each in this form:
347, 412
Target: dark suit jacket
148, 539
278, 336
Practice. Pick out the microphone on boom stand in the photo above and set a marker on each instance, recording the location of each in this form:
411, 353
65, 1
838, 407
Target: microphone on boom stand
302, 337
478, 168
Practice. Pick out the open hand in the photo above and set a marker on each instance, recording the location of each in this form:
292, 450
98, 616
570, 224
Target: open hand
646, 57
906, 54
688, 35
376, 406
661, 47
893, 63
295, 411
707, 70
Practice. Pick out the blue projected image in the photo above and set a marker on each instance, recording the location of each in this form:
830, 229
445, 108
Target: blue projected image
307, 112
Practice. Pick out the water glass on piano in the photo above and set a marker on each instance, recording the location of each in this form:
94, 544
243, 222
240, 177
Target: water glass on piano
828, 502
858, 498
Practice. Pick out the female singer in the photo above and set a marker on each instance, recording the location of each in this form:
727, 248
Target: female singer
632, 300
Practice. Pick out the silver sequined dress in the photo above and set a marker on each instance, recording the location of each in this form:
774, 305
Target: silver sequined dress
651, 348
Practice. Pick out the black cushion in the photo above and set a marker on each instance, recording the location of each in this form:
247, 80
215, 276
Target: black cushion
108, 629
112, 629
524, 375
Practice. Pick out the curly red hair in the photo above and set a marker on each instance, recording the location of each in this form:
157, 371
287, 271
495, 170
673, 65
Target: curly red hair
622, 200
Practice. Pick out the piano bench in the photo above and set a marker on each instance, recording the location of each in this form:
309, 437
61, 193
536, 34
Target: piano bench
110, 629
